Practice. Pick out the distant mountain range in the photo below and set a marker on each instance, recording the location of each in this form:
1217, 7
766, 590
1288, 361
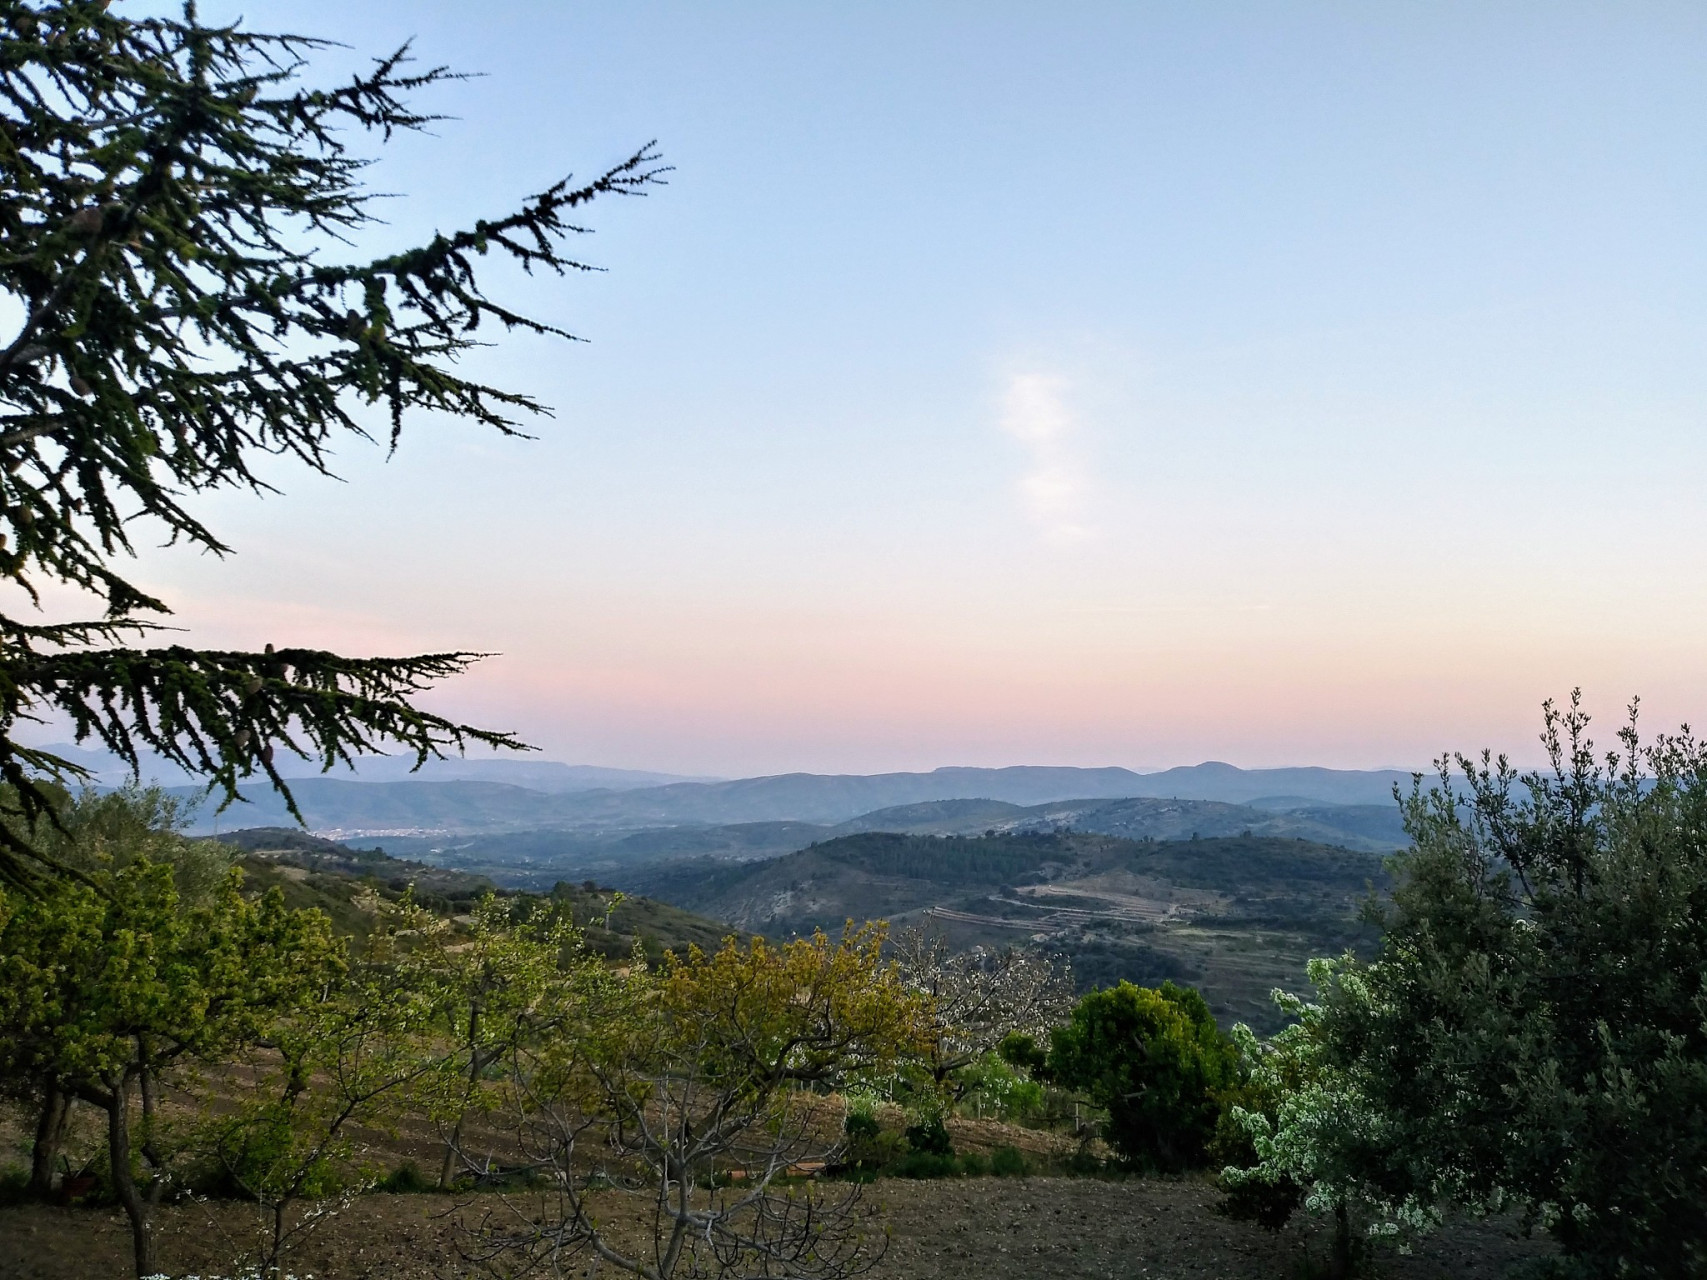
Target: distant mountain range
523, 820
461, 805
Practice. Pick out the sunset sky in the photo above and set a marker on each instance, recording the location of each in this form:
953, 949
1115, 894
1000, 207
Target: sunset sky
1087, 384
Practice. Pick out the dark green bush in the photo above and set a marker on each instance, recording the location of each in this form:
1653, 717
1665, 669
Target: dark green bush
1018, 1049
929, 1136
868, 1151
924, 1164
1534, 1029
1007, 1162
973, 1165
1082, 1164
1267, 1203
405, 1180
14, 1184
1155, 1061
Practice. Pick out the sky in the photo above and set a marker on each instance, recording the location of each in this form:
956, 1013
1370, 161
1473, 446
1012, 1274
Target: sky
1101, 384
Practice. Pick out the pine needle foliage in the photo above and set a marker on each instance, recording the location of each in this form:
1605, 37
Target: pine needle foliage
181, 299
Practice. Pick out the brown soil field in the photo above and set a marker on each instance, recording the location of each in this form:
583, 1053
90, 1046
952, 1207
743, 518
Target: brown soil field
984, 1228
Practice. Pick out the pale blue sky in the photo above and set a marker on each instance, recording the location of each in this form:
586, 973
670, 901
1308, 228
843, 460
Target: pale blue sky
1072, 383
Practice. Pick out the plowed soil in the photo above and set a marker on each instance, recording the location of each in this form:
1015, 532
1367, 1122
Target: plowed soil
972, 1229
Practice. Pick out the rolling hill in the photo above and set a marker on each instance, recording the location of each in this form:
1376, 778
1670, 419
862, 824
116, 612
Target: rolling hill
540, 856
1235, 916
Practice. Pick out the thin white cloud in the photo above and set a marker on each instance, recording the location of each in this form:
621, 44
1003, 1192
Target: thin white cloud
1053, 490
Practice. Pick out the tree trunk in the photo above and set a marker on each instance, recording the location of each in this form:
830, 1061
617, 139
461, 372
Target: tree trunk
451, 1146
1342, 1264
124, 1183
476, 1065
50, 1136
151, 1152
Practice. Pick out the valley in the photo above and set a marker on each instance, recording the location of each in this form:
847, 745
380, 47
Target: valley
1229, 891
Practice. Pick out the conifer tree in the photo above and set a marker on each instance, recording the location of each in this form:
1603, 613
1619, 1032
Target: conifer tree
177, 203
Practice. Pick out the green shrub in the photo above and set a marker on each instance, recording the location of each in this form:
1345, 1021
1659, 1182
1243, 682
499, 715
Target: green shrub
1155, 1061
973, 1165
867, 1150
1021, 1050
1001, 1087
1008, 1162
1269, 1201
14, 1184
1082, 1164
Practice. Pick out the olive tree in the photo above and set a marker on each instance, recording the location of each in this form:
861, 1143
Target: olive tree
181, 300
1533, 1031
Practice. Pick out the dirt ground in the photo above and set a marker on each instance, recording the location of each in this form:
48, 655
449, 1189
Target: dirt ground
985, 1228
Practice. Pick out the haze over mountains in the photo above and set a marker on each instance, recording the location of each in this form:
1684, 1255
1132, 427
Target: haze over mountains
539, 775
525, 821
475, 795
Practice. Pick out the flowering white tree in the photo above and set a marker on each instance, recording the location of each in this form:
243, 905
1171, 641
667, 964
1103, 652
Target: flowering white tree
980, 997
1316, 1140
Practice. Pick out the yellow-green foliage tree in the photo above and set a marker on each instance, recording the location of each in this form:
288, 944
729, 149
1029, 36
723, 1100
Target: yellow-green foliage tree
93, 834
496, 988
698, 1088
357, 1052
109, 988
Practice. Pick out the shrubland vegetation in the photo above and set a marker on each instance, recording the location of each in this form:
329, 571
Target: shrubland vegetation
237, 1046
1232, 916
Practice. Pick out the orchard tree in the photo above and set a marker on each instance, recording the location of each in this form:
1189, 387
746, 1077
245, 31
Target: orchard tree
695, 1090
94, 834
495, 989
978, 998
107, 989
180, 301
357, 1052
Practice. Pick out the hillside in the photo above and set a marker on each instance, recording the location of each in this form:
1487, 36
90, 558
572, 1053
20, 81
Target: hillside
1372, 828
314, 872
537, 858
1235, 916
